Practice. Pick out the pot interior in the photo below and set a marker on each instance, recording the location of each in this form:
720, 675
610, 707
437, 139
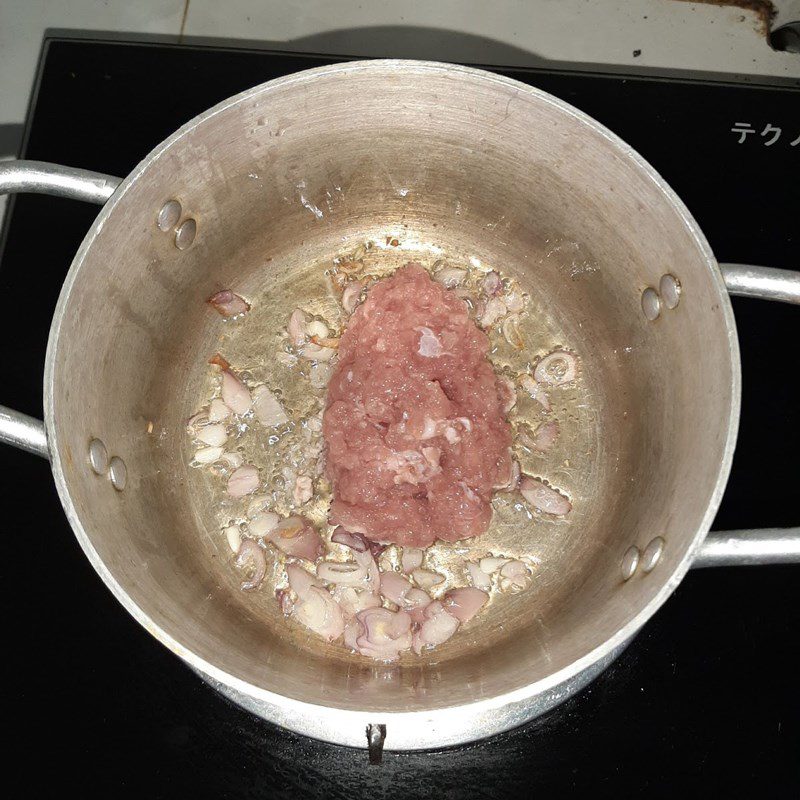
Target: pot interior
456, 165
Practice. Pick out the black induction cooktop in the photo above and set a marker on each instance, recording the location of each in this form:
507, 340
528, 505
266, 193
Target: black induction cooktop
704, 700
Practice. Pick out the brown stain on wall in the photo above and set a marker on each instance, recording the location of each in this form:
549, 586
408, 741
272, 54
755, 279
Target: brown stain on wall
764, 10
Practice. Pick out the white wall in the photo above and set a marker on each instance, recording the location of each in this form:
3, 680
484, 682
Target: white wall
668, 33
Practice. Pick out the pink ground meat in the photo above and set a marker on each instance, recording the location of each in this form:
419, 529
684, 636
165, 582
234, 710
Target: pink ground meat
416, 436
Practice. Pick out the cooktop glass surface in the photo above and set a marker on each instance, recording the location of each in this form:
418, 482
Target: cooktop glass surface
703, 699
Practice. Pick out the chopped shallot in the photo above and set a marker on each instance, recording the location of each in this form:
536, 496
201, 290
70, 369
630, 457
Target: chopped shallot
229, 304
317, 329
284, 598
367, 559
267, 408
243, 481
319, 612
411, 559
480, 580
450, 276
535, 391
394, 587
218, 411
507, 393
437, 626
352, 599
556, 368
261, 524
491, 564
544, 437
511, 332
415, 603
464, 603
297, 327
426, 579
514, 577
295, 536
234, 537
341, 574
315, 352
494, 310
197, 421
319, 375
492, 284
249, 551
300, 580
382, 634
207, 455
351, 295
303, 490
213, 435
235, 394
352, 630
515, 301
232, 460
544, 498
355, 541
257, 504
511, 480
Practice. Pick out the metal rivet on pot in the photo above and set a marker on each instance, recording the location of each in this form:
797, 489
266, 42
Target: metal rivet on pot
185, 234
629, 562
169, 215
652, 554
118, 473
670, 290
98, 457
651, 303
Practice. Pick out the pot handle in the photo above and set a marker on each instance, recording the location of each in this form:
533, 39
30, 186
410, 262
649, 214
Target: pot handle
764, 545
39, 177
764, 283
749, 548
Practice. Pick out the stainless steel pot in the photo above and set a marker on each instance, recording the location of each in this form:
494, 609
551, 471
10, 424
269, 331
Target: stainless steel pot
460, 163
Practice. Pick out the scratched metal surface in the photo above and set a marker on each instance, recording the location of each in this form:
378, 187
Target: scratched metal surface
678, 709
